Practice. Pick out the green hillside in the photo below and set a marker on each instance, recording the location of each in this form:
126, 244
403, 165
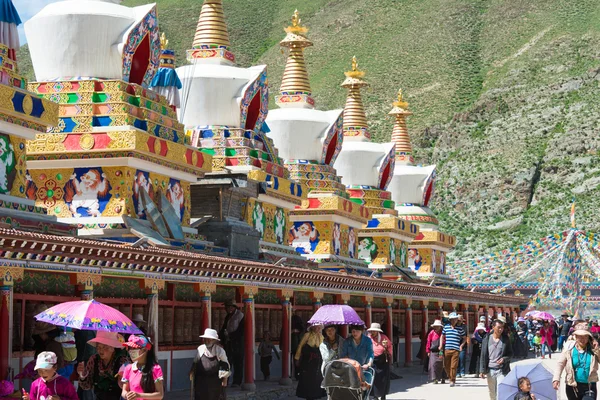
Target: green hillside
504, 95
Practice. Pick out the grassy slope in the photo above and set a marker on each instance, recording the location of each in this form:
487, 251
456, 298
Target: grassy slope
482, 76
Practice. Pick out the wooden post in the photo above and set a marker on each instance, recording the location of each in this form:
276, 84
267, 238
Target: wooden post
389, 318
8, 275
343, 299
408, 333
368, 311
206, 290
248, 302
286, 336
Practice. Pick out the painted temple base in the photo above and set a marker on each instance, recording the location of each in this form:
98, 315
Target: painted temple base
16, 212
281, 254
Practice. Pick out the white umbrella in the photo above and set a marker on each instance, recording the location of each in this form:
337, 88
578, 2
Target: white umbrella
538, 372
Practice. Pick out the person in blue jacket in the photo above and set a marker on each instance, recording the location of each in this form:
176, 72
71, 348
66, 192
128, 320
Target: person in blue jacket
358, 347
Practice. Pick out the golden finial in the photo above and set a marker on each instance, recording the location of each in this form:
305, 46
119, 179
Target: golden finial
296, 27
355, 73
211, 29
163, 41
400, 102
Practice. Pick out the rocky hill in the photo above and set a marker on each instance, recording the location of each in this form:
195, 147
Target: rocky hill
504, 94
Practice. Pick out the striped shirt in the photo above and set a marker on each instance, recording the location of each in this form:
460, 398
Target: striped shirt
461, 330
453, 338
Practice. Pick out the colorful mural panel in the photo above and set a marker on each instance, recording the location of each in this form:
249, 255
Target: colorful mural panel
103, 192
141, 183
368, 249
87, 192
269, 220
352, 242
420, 260
304, 237
7, 164
337, 239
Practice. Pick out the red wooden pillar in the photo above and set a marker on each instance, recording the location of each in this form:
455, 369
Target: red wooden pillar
424, 320
368, 311
486, 312
389, 318
286, 338
5, 330
206, 290
248, 301
343, 299
408, 333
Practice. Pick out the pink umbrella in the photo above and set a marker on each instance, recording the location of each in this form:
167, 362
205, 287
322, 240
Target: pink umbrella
88, 315
542, 315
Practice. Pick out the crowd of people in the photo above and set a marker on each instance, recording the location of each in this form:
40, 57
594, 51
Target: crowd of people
109, 366
493, 348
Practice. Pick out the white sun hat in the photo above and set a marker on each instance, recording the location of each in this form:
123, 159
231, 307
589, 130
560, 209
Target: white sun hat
210, 334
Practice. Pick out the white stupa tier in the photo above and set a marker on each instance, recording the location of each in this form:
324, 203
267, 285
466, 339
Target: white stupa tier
128, 37
222, 95
412, 188
366, 164
305, 133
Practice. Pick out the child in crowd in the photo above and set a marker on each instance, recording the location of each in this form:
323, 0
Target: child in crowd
524, 390
537, 343
265, 350
50, 385
69, 351
144, 378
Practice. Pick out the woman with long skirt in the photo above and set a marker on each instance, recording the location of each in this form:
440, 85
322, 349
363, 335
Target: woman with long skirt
476, 349
382, 350
308, 361
435, 342
210, 369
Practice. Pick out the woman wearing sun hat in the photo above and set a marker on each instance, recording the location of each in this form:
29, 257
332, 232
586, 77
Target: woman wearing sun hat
580, 365
435, 353
102, 369
477, 339
382, 350
210, 369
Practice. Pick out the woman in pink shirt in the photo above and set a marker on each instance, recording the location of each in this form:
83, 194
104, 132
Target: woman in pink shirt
435, 342
546, 334
595, 329
144, 378
382, 349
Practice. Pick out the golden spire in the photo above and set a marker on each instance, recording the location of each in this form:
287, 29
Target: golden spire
211, 30
295, 76
355, 120
400, 132
163, 41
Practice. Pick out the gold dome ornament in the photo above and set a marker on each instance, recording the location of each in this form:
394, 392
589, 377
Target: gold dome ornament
211, 41
355, 119
295, 87
400, 134
163, 41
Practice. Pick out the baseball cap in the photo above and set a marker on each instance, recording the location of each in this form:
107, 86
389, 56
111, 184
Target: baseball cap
45, 360
138, 342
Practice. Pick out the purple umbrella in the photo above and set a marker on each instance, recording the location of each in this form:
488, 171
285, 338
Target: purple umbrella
336, 315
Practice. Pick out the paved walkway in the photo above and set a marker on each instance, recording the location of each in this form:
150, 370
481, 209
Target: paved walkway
413, 386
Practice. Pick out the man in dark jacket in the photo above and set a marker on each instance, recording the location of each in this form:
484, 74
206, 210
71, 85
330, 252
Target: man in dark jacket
232, 334
496, 353
564, 325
